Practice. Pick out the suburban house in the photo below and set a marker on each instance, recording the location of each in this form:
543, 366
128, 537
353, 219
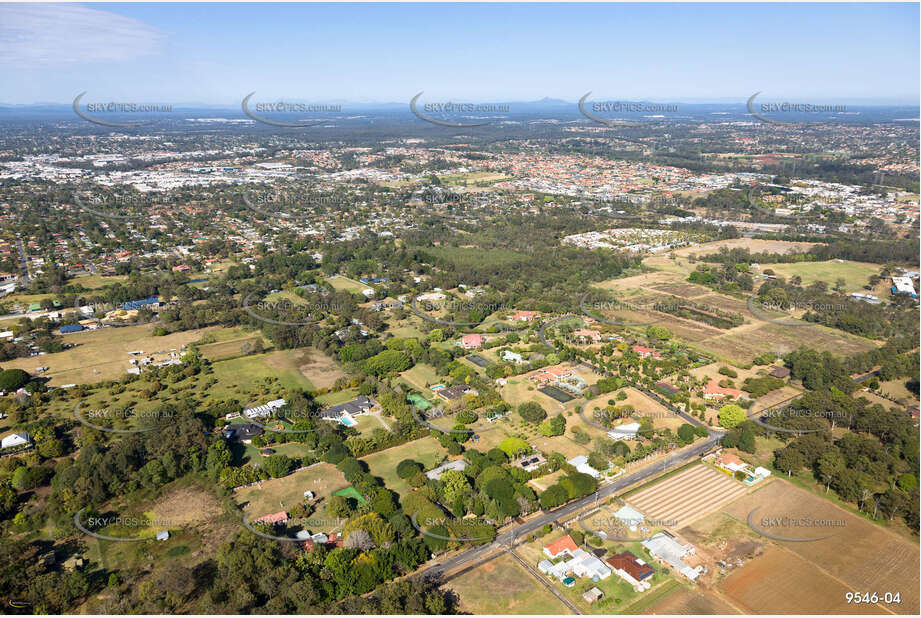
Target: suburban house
531, 462
551, 375
561, 546
331, 541
470, 342
627, 431
524, 316
344, 411
435, 474
581, 464
581, 563
242, 433
265, 409
274, 518
729, 462
15, 439
456, 392
665, 547
780, 373
632, 570
512, 357
586, 335
645, 352
714, 391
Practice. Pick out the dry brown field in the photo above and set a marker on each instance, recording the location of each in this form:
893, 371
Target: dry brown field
778, 582
860, 555
687, 601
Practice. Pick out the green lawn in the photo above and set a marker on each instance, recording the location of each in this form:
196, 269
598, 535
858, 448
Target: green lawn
855, 274
246, 376
426, 451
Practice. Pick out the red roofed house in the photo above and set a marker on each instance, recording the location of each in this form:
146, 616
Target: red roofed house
274, 518
524, 316
629, 564
714, 391
645, 352
469, 342
587, 334
729, 462
563, 545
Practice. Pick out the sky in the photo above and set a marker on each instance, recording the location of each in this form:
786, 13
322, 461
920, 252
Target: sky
217, 53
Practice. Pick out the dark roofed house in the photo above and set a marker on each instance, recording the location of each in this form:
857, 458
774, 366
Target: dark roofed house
242, 433
71, 328
359, 405
456, 392
779, 372
132, 305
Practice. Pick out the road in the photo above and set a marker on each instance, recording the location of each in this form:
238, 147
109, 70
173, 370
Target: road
24, 262
507, 538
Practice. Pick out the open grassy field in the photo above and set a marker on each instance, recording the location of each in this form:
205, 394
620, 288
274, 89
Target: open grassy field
341, 282
247, 375
421, 376
856, 556
502, 586
855, 274
471, 178
427, 451
103, 354
321, 370
281, 494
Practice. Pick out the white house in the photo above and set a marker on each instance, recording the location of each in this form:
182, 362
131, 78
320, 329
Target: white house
581, 464
15, 439
264, 410
626, 431
514, 357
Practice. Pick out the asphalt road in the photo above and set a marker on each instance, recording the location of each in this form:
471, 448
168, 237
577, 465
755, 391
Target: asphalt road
508, 537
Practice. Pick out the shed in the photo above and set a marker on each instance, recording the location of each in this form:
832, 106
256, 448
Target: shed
592, 594
163, 535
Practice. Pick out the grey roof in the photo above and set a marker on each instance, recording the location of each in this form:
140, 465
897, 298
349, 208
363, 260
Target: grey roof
358, 405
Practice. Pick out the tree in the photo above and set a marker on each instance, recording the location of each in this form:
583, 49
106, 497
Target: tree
277, 466
359, 539
554, 426
553, 496
731, 415
13, 379
338, 506
532, 412
408, 468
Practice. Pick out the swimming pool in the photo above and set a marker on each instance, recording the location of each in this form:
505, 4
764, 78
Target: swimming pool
348, 421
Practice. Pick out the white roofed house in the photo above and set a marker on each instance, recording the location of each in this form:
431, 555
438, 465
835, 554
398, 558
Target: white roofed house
15, 439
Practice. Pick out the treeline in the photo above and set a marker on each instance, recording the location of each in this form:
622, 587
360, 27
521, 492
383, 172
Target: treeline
864, 250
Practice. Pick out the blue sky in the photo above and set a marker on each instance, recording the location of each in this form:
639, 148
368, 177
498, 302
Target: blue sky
217, 53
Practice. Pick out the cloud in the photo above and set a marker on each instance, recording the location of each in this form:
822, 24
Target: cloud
49, 35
